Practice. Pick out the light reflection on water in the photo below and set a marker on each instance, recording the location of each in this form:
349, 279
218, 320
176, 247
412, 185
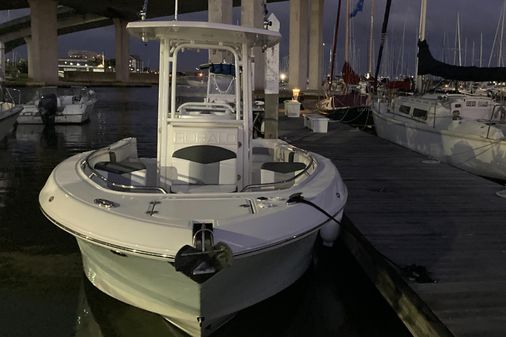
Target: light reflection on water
42, 288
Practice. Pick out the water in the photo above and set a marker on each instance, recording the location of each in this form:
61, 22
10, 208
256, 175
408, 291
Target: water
43, 291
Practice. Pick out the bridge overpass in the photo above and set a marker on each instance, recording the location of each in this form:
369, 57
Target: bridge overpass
49, 18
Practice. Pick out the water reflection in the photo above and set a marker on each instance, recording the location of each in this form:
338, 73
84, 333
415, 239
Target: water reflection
99, 315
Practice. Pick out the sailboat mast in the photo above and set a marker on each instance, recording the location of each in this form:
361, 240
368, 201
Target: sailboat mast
499, 58
458, 35
472, 55
334, 44
481, 48
421, 37
371, 31
347, 33
402, 48
383, 38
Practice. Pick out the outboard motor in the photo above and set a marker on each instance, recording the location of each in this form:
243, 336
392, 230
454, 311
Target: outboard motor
48, 105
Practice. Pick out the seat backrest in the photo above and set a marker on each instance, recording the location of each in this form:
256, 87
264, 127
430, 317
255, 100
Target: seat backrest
205, 165
205, 152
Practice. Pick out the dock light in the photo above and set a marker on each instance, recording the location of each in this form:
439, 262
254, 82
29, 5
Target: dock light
295, 94
282, 77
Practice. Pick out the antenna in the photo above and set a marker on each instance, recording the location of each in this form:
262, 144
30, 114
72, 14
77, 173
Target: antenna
175, 10
144, 11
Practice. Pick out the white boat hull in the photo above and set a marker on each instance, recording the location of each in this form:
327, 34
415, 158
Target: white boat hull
475, 154
218, 221
7, 120
60, 118
70, 114
154, 284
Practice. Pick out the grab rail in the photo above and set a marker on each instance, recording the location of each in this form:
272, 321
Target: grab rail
91, 173
205, 106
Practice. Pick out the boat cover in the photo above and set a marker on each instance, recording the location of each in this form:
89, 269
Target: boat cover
427, 64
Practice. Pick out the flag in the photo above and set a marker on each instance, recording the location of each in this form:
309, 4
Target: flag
358, 8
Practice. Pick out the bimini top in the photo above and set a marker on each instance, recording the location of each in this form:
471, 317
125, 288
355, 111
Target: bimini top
204, 33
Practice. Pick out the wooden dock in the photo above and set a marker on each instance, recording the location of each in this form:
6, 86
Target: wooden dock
432, 238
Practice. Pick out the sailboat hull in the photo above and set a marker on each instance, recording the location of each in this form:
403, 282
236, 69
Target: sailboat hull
466, 150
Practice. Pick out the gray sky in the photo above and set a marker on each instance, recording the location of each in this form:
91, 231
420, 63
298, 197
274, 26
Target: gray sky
475, 17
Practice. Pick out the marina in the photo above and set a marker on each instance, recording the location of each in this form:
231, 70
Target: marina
427, 235
42, 283
219, 176
430, 236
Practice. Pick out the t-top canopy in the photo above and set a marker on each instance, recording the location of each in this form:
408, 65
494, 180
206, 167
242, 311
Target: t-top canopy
204, 33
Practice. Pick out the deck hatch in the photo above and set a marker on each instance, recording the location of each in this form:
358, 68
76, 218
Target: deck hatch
196, 208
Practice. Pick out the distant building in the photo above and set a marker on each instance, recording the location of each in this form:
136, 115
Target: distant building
84, 60
135, 64
86, 55
81, 60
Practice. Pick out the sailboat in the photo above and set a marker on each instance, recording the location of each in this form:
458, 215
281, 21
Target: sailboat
219, 220
351, 103
466, 131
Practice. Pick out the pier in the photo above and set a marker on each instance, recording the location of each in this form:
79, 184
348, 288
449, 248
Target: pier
431, 237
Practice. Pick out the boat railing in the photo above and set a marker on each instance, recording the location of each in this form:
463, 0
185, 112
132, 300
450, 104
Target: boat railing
197, 108
87, 167
497, 109
311, 165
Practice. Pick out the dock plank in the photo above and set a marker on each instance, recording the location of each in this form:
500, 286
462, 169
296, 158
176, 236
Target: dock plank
405, 209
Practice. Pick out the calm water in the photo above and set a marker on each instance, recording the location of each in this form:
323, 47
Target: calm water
43, 291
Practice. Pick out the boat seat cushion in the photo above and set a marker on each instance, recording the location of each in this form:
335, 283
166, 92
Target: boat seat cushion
283, 167
273, 172
205, 165
119, 167
204, 154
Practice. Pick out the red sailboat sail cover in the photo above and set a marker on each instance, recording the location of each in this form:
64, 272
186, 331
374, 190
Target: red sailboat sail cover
349, 76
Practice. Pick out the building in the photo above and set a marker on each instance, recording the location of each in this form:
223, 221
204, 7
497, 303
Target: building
81, 60
135, 64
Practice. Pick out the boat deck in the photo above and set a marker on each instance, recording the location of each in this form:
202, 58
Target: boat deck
431, 237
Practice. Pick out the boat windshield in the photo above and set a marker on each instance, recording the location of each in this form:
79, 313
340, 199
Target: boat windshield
209, 91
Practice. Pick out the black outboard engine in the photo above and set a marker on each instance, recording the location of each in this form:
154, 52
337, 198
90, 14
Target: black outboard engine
48, 105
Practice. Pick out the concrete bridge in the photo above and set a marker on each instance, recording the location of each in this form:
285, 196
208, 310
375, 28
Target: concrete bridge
49, 18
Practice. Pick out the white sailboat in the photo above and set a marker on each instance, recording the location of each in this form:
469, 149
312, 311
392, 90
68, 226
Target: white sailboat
218, 221
466, 131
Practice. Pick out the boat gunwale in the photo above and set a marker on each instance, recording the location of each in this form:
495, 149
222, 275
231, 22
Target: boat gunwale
85, 166
170, 257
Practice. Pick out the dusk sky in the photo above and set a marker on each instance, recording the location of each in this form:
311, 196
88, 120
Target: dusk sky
475, 17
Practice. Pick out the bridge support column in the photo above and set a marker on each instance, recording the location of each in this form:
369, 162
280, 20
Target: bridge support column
2, 62
219, 11
298, 49
28, 42
252, 15
316, 45
122, 54
43, 58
